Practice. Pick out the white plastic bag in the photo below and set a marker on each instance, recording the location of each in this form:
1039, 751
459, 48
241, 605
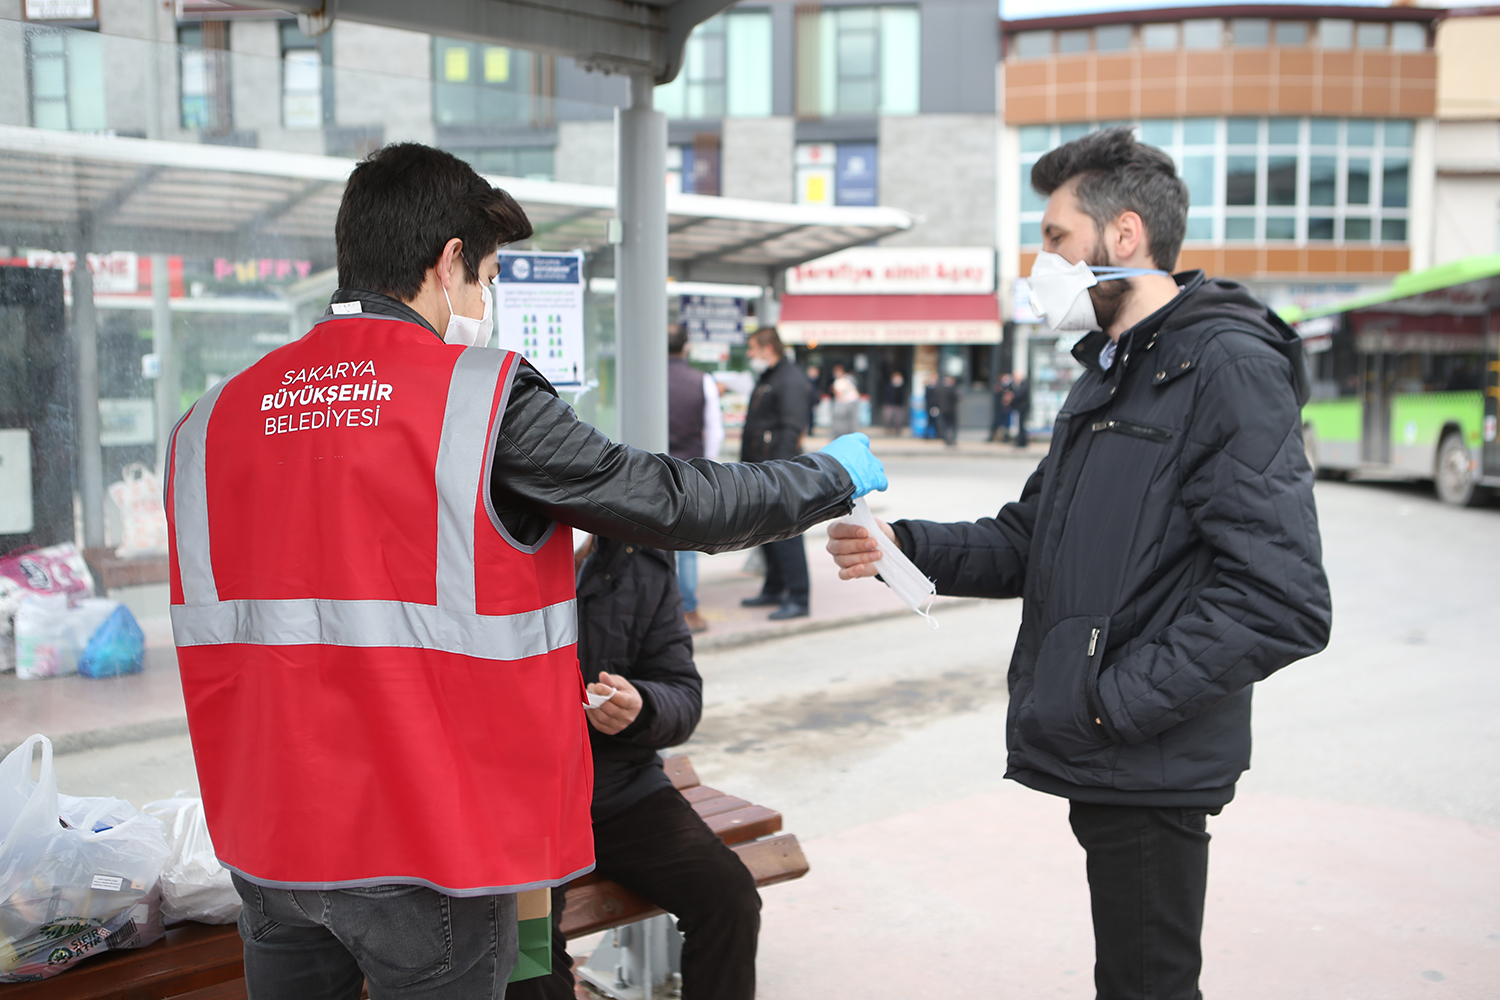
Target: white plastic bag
77, 875
194, 885
143, 515
44, 643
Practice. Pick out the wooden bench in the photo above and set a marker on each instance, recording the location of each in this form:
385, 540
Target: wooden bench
200, 962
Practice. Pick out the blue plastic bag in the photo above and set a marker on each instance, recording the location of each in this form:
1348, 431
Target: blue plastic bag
116, 649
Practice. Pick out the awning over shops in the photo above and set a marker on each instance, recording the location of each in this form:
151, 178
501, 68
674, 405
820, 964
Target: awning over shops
63, 190
890, 319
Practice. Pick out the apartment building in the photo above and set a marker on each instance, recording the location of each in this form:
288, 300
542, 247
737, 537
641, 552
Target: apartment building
1307, 136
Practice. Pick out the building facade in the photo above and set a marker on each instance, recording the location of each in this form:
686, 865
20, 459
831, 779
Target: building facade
1307, 137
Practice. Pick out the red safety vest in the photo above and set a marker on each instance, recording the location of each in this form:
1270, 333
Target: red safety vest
382, 685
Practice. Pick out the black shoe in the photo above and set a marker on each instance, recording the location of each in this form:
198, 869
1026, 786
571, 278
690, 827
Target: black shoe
788, 610
761, 601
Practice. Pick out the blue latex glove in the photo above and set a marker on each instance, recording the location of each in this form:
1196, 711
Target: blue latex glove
853, 452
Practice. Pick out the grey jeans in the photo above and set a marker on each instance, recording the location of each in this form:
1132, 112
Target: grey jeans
405, 940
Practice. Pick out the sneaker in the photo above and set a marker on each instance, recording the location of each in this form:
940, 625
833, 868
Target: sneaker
695, 622
788, 610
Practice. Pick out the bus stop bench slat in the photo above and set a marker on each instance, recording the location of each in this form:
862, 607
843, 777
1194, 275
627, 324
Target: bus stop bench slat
190, 957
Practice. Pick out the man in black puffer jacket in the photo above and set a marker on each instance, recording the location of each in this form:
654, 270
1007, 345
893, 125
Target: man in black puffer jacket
632, 637
1166, 551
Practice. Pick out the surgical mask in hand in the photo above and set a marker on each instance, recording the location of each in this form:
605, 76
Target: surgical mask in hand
898, 572
466, 331
1060, 291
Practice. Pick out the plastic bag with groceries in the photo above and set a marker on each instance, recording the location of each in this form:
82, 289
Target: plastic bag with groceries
78, 876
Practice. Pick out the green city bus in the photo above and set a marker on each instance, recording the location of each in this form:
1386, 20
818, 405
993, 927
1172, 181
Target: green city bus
1405, 380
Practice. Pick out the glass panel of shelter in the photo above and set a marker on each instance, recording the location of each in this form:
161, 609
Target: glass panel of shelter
231, 301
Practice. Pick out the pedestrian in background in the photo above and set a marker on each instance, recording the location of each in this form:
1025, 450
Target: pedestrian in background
814, 395
1166, 551
942, 407
774, 424
695, 429
845, 403
1000, 409
893, 404
1020, 405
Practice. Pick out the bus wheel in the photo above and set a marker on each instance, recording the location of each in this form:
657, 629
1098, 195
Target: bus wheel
1454, 477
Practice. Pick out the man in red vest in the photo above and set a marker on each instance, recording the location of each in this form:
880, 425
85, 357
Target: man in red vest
373, 602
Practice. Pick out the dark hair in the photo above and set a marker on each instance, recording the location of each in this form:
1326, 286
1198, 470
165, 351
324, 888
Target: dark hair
676, 338
403, 203
767, 336
1117, 174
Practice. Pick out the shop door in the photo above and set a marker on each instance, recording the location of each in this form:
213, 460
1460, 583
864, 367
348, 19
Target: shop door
36, 411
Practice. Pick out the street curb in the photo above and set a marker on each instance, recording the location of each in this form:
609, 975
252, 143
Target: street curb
137, 732
110, 736
705, 643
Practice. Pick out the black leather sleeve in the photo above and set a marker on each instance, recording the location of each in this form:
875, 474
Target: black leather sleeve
551, 466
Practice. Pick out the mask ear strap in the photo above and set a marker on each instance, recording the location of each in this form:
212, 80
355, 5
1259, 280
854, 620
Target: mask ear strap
1108, 273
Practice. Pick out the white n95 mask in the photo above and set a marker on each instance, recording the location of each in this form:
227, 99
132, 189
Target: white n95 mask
1060, 291
899, 573
466, 331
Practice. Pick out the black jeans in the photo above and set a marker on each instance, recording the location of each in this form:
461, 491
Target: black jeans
660, 849
406, 940
786, 570
1148, 872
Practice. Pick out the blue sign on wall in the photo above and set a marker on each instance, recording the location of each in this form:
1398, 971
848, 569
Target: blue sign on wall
855, 175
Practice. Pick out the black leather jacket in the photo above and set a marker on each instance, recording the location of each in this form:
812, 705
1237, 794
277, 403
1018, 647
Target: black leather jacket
551, 466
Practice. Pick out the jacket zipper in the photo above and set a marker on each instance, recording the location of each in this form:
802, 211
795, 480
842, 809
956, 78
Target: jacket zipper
1134, 430
1092, 687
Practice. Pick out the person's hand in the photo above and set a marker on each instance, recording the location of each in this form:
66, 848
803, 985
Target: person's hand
620, 711
854, 550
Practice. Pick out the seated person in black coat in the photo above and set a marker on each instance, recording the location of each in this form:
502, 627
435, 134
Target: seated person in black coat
632, 637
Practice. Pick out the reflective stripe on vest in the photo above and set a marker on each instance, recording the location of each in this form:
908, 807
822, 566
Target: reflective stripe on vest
450, 626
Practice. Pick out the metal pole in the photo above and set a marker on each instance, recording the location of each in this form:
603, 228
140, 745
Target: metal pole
86, 341
641, 270
167, 394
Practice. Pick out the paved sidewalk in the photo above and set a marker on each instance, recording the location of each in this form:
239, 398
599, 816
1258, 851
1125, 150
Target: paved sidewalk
986, 896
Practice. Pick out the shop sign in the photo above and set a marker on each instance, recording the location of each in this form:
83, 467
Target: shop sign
897, 271
259, 270
539, 304
61, 10
713, 319
115, 273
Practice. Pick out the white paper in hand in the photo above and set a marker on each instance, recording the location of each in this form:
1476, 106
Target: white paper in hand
899, 573
595, 700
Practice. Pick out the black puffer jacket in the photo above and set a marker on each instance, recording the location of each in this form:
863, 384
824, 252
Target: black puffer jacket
777, 415
630, 623
1167, 552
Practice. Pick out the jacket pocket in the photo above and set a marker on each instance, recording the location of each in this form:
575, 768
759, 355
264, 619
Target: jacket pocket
1059, 716
1144, 431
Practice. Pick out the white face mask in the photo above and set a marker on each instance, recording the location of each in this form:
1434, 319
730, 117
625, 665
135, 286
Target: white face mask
466, 331
1060, 291
760, 365
898, 572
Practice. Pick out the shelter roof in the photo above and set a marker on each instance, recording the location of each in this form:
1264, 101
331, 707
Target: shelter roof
209, 200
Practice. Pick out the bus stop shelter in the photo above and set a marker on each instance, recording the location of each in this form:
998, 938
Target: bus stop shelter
91, 193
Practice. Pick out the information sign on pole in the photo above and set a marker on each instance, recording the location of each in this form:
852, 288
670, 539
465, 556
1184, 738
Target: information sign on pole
539, 302
713, 319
